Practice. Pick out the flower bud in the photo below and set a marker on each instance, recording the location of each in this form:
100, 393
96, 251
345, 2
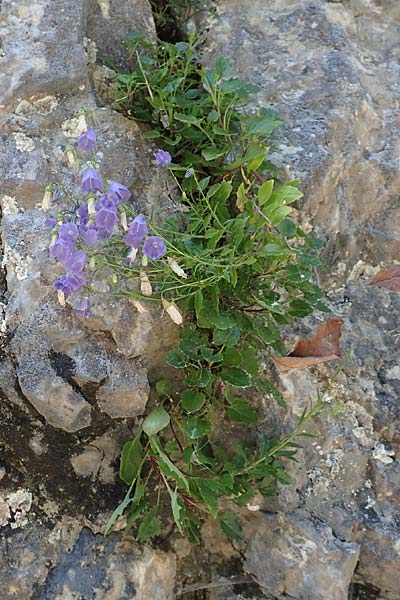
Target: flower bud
144, 260
114, 278
132, 255
91, 206
145, 285
61, 297
173, 311
46, 200
176, 268
70, 157
92, 262
82, 125
124, 222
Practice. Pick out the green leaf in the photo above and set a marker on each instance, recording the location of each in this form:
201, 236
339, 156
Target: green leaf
208, 494
176, 359
196, 427
229, 337
198, 302
275, 250
192, 529
168, 467
236, 377
231, 526
255, 156
242, 412
189, 119
192, 401
131, 459
213, 153
250, 361
164, 388
232, 358
157, 420
119, 511
149, 527
265, 191
149, 135
178, 510
199, 377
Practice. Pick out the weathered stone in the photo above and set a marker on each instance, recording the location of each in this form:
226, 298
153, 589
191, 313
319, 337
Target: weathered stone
125, 391
293, 555
44, 54
319, 65
111, 22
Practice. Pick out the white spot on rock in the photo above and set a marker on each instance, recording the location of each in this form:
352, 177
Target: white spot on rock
23, 142
380, 453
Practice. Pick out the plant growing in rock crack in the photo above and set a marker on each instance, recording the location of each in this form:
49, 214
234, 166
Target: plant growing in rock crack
230, 273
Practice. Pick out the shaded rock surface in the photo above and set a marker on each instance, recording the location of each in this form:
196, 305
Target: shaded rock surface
71, 391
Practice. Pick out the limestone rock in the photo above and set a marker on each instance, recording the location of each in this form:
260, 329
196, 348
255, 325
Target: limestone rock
319, 64
125, 391
296, 556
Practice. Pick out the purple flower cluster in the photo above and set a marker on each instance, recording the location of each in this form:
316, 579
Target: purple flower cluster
95, 220
154, 247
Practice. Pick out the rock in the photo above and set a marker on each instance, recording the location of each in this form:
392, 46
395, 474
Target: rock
65, 561
293, 555
111, 22
45, 53
125, 391
319, 65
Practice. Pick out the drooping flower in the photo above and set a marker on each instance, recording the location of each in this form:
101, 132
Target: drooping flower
163, 158
76, 262
87, 141
154, 247
82, 308
189, 173
89, 236
106, 218
68, 231
46, 200
137, 232
91, 182
119, 191
131, 256
123, 221
61, 249
70, 283
139, 307
57, 194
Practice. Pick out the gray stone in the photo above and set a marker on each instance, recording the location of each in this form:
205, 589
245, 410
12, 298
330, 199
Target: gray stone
111, 22
125, 391
44, 54
296, 556
319, 65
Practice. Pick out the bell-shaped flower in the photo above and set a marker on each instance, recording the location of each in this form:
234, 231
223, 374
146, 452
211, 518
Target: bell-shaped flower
163, 158
82, 308
68, 231
137, 232
91, 182
119, 191
154, 247
87, 141
75, 263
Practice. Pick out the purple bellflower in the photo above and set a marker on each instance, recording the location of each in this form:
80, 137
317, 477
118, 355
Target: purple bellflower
89, 236
137, 232
75, 263
62, 249
119, 191
106, 218
70, 283
163, 158
87, 141
68, 231
91, 182
50, 222
154, 247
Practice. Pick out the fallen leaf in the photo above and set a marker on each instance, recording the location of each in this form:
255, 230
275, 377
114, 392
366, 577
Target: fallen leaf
388, 278
322, 347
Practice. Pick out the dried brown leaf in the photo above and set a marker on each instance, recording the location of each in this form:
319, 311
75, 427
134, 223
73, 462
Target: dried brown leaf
388, 278
321, 348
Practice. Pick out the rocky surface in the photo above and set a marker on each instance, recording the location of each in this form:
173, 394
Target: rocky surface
331, 69
72, 391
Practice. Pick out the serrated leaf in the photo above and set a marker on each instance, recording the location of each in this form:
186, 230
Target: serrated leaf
157, 420
164, 388
131, 459
176, 359
232, 357
200, 377
149, 527
228, 337
231, 526
236, 377
242, 412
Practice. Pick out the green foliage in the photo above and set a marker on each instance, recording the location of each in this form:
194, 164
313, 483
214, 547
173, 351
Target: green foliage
247, 269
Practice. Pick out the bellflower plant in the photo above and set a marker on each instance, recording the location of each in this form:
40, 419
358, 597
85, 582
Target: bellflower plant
229, 272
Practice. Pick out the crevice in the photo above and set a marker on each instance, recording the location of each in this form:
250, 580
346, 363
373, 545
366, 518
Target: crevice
175, 18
